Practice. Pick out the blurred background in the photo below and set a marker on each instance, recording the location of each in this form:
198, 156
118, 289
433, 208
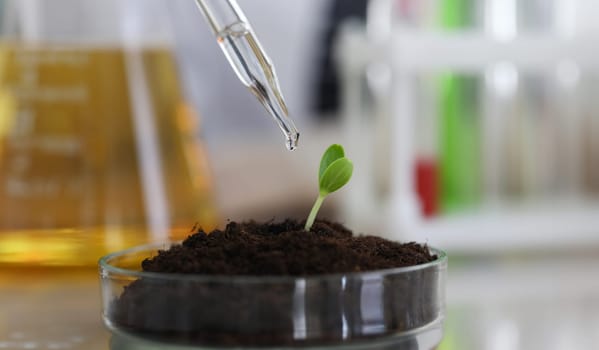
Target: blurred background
473, 126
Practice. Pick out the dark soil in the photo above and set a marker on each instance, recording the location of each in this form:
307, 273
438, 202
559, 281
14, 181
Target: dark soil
220, 313
285, 248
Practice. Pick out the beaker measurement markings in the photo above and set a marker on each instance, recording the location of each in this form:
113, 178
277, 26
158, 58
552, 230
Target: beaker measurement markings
67, 57
77, 94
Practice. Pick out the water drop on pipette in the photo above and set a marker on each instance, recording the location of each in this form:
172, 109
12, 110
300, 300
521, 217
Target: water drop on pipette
292, 141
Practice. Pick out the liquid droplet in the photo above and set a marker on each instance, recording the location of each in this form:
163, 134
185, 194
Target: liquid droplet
292, 141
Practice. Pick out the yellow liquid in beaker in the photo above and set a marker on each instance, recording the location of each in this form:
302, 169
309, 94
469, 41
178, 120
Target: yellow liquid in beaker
96, 143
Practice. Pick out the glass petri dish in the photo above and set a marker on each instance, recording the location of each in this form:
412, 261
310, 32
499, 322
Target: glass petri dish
400, 308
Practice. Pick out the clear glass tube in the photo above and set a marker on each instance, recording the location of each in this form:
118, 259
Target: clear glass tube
249, 61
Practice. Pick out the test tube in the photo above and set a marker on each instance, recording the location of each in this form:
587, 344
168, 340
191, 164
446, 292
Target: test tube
249, 61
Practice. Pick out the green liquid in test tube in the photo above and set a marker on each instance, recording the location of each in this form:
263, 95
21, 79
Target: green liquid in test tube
459, 131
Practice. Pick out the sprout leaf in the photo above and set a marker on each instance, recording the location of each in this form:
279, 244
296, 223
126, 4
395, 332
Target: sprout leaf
335, 171
336, 175
332, 153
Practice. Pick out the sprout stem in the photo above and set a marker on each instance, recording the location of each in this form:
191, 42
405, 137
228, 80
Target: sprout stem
314, 211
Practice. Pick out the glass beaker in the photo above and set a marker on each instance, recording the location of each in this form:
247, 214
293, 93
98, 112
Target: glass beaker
98, 143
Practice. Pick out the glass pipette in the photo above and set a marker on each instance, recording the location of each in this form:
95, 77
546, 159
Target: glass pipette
249, 61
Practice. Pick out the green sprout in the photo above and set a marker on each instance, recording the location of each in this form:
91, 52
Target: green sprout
335, 171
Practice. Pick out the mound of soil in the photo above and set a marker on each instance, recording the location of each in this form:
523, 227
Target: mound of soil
264, 249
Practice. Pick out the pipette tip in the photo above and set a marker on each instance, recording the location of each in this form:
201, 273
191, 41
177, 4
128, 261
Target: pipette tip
292, 141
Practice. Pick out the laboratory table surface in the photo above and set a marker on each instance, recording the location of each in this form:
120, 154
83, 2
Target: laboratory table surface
507, 303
